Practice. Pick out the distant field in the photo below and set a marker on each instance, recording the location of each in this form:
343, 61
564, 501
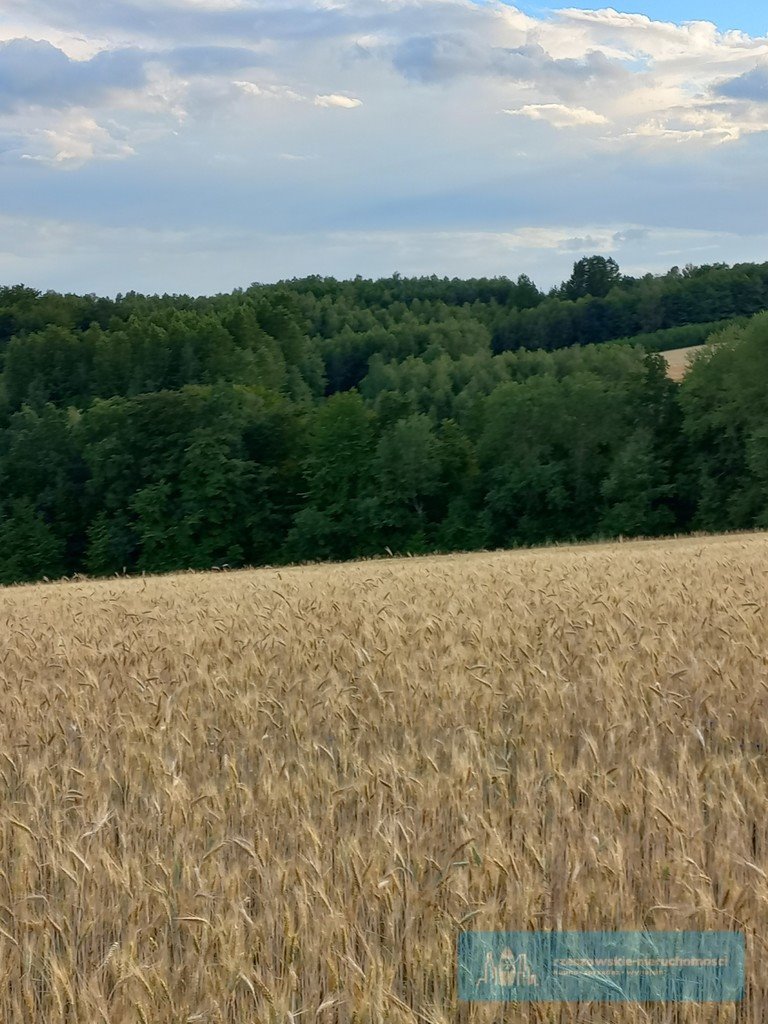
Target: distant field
278, 796
678, 361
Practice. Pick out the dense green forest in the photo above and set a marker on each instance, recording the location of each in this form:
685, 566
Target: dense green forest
318, 419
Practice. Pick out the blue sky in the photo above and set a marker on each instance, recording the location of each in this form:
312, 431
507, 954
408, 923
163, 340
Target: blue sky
201, 145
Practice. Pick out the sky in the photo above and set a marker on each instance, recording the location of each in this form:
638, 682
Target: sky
745, 15
201, 145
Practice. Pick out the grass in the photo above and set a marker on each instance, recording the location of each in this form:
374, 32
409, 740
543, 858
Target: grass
279, 795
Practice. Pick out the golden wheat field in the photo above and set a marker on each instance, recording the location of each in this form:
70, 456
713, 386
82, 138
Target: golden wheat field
679, 360
279, 796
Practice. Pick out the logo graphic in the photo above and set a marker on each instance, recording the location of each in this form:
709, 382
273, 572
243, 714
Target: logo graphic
510, 970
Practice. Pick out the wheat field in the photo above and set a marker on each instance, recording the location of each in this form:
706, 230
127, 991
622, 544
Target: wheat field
679, 360
280, 795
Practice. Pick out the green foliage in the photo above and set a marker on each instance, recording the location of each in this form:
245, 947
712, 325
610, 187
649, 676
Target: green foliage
321, 419
557, 447
29, 548
335, 519
574, 315
592, 275
635, 490
726, 425
682, 337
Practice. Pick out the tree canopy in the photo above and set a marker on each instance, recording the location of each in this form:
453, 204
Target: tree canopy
319, 419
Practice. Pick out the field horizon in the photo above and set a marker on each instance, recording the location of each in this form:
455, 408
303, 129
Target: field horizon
391, 559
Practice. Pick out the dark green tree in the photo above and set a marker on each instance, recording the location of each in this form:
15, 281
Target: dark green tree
29, 549
592, 275
336, 519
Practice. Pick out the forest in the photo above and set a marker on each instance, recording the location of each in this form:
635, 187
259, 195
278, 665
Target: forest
318, 419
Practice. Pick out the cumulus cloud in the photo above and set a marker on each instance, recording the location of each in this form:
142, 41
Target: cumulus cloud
558, 115
37, 72
335, 100
751, 85
444, 56
624, 72
660, 40
74, 141
336, 119
705, 122
284, 92
272, 92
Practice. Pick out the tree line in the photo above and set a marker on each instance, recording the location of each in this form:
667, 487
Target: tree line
324, 419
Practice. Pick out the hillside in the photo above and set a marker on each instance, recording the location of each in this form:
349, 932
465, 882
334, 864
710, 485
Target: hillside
244, 796
324, 419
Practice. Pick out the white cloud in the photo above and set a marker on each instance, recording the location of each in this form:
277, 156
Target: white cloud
229, 125
74, 45
624, 72
285, 92
559, 115
74, 141
714, 123
335, 100
273, 92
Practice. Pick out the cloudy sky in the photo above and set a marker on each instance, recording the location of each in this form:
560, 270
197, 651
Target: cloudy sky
201, 145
